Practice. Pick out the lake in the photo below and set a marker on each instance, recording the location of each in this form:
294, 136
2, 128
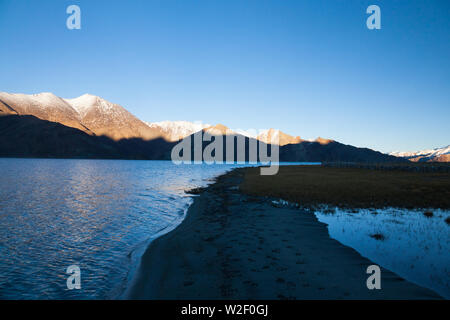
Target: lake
97, 214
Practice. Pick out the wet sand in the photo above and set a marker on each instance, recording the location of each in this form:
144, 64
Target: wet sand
236, 246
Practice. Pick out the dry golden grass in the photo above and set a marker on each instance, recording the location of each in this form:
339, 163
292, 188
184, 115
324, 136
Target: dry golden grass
351, 187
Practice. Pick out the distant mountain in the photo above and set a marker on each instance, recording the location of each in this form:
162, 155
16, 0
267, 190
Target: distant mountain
325, 150
177, 130
267, 135
438, 155
294, 149
89, 113
44, 125
45, 106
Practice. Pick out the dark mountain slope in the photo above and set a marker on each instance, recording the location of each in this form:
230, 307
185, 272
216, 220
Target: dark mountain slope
28, 136
330, 151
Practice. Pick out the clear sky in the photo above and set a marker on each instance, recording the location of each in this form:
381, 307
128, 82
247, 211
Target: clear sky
309, 68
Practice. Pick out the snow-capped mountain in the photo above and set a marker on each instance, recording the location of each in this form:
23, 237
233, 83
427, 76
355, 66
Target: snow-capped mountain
437, 154
44, 125
97, 116
110, 119
267, 136
177, 130
89, 113
45, 106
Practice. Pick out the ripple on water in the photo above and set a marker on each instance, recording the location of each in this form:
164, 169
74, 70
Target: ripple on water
412, 245
92, 213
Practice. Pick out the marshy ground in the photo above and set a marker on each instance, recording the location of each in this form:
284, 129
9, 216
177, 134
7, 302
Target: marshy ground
352, 187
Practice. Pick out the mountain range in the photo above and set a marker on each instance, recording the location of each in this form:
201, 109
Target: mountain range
45, 125
435, 155
176, 130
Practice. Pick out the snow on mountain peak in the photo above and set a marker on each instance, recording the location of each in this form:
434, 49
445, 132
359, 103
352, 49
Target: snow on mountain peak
176, 130
276, 136
429, 154
40, 103
45, 106
87, 101
43, 99
96, 115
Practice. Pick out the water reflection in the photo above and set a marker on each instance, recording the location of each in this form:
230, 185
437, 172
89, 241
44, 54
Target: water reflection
92, 213
414, 246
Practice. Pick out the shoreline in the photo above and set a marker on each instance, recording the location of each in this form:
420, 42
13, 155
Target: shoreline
236, 246
138, 253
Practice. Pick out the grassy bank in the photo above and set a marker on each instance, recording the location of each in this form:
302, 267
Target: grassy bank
352, 187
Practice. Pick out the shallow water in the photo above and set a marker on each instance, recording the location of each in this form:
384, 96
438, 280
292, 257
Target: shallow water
413, 246
91, 213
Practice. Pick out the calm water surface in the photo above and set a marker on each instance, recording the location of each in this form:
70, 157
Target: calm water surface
91, 213
413, 246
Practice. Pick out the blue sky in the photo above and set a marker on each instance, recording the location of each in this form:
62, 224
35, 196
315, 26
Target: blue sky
309, 68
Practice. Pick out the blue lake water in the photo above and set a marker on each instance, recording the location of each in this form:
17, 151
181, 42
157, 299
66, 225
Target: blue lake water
413, 246
90, 213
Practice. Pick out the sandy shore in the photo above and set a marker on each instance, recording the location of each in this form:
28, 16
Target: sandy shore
234, 246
